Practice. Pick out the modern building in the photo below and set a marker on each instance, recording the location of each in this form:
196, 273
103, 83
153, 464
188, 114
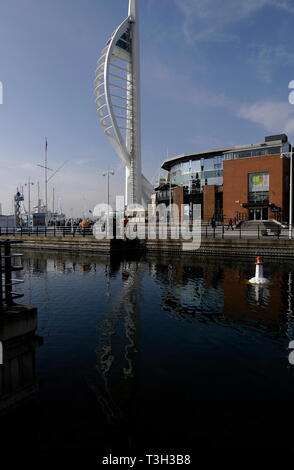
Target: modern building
117, 93
248, 182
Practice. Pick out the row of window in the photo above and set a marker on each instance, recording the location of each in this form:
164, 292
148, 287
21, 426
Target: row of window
202, 164
180, 178
216, 163
253, 197
260, 152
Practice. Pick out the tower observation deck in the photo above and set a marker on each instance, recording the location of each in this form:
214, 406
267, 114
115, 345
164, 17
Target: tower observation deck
117, 94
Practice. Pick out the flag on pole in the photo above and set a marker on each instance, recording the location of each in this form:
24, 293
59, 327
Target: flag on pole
46, 144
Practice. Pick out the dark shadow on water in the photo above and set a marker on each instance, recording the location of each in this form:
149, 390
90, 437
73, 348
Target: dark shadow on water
159, 354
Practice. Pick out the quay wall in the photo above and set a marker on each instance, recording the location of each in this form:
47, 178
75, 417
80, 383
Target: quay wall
224, 247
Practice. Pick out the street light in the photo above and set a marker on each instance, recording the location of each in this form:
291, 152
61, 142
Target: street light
290, 191
108, 173
29, 184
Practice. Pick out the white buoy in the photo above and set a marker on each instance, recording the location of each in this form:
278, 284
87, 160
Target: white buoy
259, 279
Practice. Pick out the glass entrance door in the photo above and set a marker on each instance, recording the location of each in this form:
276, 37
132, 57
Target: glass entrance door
258, 213
264, 213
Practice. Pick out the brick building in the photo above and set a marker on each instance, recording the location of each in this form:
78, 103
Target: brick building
249, 182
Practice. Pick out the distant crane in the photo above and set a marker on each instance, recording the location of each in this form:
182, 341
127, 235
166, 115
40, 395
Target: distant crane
17, 200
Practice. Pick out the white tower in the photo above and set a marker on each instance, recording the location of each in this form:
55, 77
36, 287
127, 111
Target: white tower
117, 93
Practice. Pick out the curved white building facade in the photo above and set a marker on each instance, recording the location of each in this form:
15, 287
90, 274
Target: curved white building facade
117, 93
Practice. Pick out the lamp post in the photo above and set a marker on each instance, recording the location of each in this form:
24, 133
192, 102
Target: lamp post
290, 192
108, 173
29, 184
71, 219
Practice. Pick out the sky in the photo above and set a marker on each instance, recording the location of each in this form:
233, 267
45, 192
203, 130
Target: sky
214, 73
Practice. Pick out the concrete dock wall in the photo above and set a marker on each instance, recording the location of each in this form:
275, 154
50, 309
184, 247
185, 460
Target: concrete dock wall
226, 247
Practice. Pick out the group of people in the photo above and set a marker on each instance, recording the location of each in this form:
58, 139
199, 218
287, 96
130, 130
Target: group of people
83, 223
230, 225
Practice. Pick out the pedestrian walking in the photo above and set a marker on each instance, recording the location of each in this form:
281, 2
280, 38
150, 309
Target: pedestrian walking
230, 226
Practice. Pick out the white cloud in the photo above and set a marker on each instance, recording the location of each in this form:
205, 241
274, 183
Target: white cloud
267, 59
209, 19
274, 116
289, 128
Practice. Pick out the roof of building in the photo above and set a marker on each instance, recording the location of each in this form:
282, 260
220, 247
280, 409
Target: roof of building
270, 141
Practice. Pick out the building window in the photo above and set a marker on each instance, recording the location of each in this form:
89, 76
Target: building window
258, 197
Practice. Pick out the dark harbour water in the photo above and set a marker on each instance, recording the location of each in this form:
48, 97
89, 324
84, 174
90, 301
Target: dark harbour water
157, 355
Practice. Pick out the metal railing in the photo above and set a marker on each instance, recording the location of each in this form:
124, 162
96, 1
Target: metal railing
7, 294
234, 232
54, 231
223, 231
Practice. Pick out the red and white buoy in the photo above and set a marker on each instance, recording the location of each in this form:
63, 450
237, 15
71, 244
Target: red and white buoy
259, 279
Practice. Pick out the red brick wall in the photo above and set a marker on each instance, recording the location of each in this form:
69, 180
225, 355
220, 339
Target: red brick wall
178, 199
208, 202
236, 183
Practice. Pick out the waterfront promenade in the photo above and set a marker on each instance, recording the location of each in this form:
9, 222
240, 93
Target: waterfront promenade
141, 231
218, 241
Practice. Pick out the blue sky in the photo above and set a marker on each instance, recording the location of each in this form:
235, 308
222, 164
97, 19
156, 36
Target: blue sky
214, 73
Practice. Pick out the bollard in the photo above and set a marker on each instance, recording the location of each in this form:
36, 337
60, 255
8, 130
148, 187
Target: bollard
259, 278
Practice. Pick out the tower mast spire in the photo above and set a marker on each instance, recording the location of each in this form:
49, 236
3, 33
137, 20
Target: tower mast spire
132, 8
117, 90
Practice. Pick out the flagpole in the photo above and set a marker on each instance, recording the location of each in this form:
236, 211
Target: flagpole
46, 179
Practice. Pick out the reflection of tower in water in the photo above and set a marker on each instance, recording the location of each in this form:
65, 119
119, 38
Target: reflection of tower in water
117, 351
